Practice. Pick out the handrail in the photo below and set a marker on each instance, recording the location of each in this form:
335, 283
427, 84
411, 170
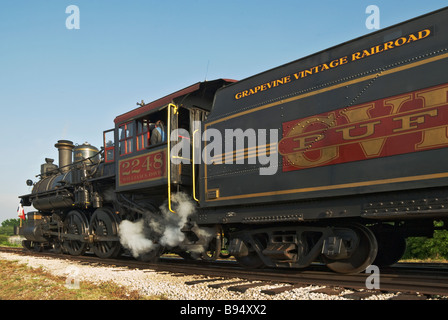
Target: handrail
168, 134
193, 169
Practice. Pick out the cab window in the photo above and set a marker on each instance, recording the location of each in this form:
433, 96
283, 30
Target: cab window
109, 146
126, 135
143, 133
147, 127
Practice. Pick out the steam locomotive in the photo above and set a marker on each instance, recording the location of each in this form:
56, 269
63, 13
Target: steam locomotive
336, 157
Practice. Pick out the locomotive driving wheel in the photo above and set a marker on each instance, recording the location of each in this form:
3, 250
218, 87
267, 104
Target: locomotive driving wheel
75, 224
104, 228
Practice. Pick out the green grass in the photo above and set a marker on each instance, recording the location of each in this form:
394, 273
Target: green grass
21, 282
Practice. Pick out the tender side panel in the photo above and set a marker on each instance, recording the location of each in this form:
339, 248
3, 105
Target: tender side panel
370, 115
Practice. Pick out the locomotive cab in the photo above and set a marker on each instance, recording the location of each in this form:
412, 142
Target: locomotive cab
153, 154
141, 161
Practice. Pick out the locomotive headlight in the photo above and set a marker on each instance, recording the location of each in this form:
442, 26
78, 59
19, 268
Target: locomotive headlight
29, 182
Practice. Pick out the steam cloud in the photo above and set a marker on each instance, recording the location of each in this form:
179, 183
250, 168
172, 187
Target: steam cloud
166, 228
133, 238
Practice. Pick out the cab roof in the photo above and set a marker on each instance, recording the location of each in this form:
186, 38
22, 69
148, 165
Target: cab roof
135, 113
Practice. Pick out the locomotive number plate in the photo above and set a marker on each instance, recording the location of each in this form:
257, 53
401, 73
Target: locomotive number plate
142, 168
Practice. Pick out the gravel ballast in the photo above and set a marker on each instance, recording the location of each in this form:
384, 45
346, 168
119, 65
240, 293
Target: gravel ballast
173, 287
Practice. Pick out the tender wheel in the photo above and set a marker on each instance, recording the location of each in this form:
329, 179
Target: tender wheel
245, 253
75, 224
251, 260
391, 245
104, 224
361, 247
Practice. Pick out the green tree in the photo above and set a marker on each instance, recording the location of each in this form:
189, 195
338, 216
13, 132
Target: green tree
11, 222
428, 248
7, 227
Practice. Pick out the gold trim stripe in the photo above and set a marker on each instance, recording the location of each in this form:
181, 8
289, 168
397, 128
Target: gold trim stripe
340, 186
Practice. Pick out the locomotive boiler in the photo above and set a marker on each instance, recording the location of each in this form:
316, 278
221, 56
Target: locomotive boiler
336, 157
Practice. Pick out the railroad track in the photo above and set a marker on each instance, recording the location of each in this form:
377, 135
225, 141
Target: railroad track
418, 281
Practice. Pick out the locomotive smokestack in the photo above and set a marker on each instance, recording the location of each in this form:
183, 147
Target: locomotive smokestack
65, 148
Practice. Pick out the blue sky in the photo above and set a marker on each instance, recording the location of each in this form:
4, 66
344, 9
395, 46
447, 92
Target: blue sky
57, 83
